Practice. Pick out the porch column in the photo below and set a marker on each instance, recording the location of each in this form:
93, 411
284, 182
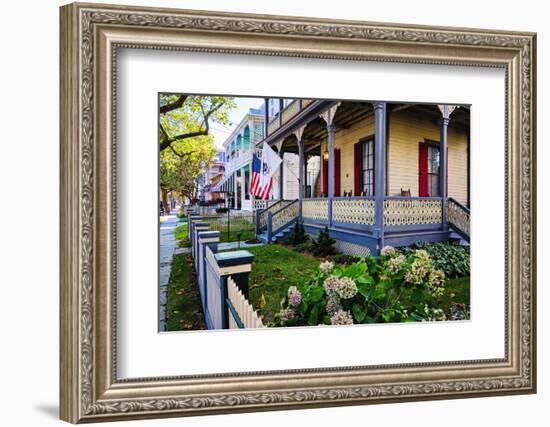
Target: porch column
305, 176
331, 130
235, 187
328, 117
380, 161
281, 169
299, 133
446, 111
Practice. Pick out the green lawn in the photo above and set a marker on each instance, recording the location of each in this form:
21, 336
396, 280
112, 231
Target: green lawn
237, 226
244, 226
183, 308
275, 269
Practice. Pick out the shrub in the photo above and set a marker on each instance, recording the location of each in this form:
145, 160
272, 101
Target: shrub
222, 210
303, 247
298, 234
450, 257
323, 245
344, 259
391, 287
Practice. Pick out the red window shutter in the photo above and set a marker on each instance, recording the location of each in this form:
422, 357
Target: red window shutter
423, 170
357, 163
325, 173
337, 173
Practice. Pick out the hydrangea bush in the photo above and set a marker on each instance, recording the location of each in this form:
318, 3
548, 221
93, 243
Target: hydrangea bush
392, 287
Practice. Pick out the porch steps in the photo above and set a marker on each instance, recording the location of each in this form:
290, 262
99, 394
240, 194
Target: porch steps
262, 237
455, 237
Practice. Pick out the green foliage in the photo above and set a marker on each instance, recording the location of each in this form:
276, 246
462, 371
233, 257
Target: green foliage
452, 258
391, 287
304, 247
323, 245
298, 234
186, 146
344, 259
222, 210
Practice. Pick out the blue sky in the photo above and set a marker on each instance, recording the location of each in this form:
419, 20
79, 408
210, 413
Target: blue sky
222, 132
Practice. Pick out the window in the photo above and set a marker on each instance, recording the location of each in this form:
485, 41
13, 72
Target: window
433, 171
367, 168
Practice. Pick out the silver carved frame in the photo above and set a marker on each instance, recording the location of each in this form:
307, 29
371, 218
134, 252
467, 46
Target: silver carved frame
90, 36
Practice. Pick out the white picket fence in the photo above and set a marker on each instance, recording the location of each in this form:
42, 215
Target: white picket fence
245, 312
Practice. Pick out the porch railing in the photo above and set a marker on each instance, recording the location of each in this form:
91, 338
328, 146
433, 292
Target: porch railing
412, 211
263, 204
281, 218
316, 209
261, 215
287, 113
290, 111
353, 210
458, 218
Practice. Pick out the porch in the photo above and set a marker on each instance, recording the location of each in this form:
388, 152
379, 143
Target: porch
389, 161
352, 221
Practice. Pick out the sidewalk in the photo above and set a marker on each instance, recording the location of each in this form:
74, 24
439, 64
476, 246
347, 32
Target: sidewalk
167, 245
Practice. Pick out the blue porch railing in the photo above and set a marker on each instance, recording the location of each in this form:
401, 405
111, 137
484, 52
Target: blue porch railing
458, 218
262, 214
281, 218
357, 215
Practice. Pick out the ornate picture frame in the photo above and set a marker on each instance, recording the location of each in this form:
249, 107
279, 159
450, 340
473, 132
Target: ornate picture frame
90, 37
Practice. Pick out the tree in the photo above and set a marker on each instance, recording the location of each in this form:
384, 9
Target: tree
181, 174
184, 117
186, 147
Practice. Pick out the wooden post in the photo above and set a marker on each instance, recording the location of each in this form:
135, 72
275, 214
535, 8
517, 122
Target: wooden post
238, 265
446, 111
380, 160
281, 169
331, 130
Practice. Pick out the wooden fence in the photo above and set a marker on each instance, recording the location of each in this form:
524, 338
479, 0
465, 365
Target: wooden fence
222, 279
242, 314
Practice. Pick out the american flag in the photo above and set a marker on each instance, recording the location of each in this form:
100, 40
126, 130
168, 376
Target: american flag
255, 187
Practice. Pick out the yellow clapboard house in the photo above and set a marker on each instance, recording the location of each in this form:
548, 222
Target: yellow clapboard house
391, 173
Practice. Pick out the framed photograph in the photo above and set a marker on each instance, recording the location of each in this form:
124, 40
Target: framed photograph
268, 212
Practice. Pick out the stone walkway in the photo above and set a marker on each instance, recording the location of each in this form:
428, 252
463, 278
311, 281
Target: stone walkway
167, 246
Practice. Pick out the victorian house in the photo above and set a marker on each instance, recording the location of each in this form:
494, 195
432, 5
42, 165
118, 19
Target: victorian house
388, 173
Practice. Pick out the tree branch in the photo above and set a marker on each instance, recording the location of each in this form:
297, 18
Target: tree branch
174, 105
181, 156
205, 123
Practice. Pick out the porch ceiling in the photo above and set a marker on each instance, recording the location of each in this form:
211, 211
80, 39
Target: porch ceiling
351, 112
347, 115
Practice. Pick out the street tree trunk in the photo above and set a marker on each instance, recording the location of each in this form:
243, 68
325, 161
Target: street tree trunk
164, 195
